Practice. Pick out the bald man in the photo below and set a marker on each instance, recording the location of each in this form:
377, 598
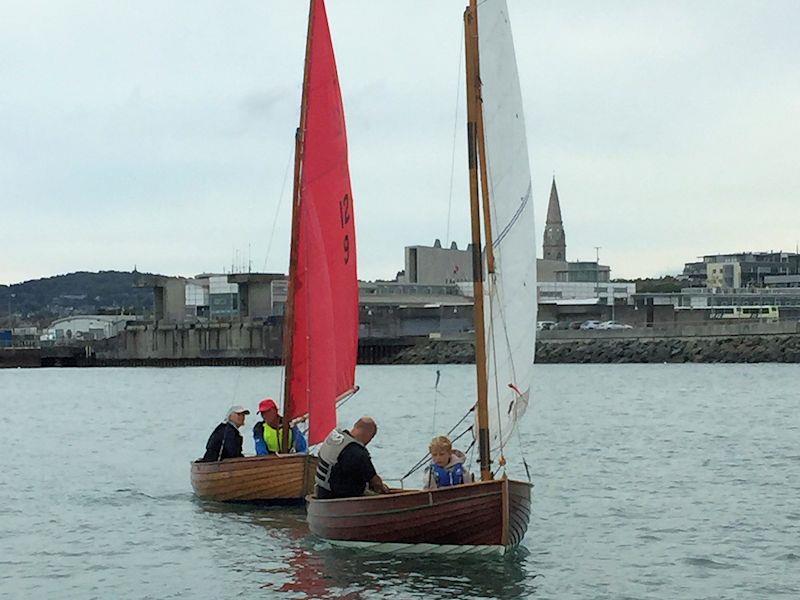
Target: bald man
345, 468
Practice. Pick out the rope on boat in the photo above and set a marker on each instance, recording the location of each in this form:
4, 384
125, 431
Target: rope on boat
492, 293
304, 418
435, 398
421, 462
522, 450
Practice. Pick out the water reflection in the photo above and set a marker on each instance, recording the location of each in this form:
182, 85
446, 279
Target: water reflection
302, 566
360, 573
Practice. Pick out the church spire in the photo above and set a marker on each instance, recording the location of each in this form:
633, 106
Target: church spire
554, 245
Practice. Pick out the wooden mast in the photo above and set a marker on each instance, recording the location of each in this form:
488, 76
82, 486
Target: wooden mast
473, 109
288, 315
487, 215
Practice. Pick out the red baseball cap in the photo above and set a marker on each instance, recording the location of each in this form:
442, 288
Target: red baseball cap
267, 404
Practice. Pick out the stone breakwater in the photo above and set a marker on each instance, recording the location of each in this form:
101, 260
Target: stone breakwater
722, 349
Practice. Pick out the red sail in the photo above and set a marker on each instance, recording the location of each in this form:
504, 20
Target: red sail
325, 327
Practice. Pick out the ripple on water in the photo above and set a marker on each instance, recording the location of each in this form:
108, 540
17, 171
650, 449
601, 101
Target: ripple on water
117, 516
707, 563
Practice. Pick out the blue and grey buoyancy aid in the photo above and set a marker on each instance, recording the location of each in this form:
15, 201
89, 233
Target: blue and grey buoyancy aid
445, 477
329, 452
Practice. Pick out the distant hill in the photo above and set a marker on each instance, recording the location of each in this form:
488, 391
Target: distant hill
41, 300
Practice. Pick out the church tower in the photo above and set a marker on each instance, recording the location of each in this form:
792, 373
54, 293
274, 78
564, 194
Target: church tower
555, 244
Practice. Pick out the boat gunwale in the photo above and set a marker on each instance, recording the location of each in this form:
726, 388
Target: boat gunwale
408, 493
412, 508
404, 492
241, 461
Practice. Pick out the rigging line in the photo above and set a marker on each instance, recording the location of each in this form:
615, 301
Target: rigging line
522, 454
505, 335
427, 454
278, 207
470, 453
455, 130
339, 404
492, 293
435, 398
495, 293
421, 462
498, 289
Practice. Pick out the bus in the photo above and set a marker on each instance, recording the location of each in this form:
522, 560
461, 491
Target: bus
762, 313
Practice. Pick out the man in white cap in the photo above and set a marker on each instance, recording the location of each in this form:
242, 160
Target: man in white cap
226, 441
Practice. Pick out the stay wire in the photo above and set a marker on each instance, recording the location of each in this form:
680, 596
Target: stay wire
278, 208
492, 292
422, 461
455, 130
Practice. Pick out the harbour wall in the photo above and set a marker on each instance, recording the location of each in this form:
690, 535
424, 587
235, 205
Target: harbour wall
257, 343
632, 349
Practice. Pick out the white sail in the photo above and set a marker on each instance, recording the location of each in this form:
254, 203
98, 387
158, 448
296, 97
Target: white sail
510, 294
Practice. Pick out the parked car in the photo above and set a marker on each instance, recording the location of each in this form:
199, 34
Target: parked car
613, 325
545, 325
590, 325
575, 324
562, 325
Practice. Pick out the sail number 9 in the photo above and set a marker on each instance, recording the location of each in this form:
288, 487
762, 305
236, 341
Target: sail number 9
344, 215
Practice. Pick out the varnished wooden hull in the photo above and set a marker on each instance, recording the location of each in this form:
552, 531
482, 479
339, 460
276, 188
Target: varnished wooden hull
486, 514
285, 478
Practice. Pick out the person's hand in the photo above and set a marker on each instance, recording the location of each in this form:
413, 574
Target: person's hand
385, 488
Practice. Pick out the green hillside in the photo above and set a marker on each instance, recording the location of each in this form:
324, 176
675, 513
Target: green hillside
41, 300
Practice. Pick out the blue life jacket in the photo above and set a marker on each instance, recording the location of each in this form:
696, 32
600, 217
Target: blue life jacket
446, 477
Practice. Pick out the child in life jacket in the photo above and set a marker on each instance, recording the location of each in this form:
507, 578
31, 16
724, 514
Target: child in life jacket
447, 465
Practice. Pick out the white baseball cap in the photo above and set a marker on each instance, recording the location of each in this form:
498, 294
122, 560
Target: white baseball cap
237, 408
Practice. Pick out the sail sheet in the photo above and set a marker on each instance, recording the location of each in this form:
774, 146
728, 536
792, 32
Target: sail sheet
325, 327
510, 295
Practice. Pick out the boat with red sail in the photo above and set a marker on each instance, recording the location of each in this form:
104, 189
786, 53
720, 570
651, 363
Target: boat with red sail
320, 342
496, 509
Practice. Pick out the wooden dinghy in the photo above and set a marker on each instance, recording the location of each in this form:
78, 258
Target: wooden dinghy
493, 514
280, 479
320, 344
482, 517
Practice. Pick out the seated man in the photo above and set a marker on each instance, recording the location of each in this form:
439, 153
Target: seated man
345, 467
268, 433
447, 465
226, 441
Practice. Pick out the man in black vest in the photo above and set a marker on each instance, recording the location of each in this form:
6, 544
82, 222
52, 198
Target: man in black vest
226, 441
345, 468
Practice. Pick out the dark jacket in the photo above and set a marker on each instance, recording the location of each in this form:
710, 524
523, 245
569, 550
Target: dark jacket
350, 475
227, 437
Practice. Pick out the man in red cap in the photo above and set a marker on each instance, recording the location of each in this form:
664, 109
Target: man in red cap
268, 433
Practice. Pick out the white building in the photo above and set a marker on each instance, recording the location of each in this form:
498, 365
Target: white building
86, 327
604, 292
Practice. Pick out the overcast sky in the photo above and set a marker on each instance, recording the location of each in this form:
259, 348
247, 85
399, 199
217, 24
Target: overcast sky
158, 134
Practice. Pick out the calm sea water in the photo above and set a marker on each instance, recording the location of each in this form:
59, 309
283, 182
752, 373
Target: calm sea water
651, 481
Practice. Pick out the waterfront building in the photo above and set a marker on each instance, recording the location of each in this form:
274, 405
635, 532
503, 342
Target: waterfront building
436, 265
582, 271
740, 270
85, 327
782, 281
703, 304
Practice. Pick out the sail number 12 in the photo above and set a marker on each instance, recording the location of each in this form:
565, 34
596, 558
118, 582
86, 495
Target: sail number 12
344, 215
